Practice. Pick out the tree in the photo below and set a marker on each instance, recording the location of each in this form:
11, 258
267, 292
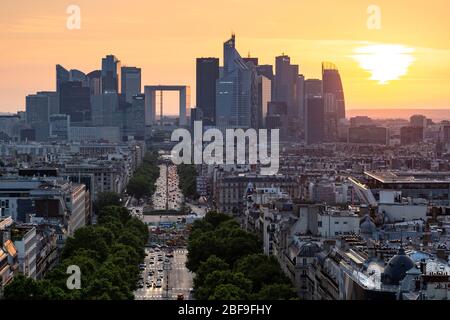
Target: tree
276, 291
107, 199
216, 243
217, 278
202, 247
22, 288
188, 180
261, 270
216, 218
228, 292
213, 263
138, 186
89, 237
227, 241
237, 243
108, 255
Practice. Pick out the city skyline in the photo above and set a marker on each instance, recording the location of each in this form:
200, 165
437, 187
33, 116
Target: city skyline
39, 39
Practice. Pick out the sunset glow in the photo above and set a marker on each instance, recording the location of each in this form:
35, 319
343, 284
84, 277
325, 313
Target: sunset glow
164, 38
385, 62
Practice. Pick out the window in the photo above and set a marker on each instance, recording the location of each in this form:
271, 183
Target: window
319, 224
336, 222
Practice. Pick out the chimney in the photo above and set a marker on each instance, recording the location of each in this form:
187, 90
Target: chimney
423, 266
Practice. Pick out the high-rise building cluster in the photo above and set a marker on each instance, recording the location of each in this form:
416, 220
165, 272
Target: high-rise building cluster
245, 94
109, 104
104, 104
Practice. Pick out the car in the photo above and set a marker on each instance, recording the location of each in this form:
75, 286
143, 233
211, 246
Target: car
158, 284
180, 297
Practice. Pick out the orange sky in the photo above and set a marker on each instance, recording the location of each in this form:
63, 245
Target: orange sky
165, 38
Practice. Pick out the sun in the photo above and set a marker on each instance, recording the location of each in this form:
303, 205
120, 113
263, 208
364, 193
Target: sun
385, 62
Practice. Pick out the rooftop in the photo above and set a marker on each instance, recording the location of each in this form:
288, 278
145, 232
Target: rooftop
409, 177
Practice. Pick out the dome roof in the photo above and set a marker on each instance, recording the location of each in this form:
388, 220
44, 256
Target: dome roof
367, 225
397, 268
309, 249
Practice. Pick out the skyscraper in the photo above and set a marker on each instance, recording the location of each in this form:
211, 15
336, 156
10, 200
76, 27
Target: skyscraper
131, 82
59, 127
236, 90
266, 70
62, 75
313, 88
104, 109
110, 74
300, 87
77, 75
332, 84
334, 102
286, 76
207, 75
75, 101
314, 120
39, 107
255, 61
277, 118
264, 98
95, 82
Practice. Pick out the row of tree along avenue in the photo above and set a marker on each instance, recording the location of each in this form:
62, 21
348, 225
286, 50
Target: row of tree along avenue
143, 181
188, 180
107, 256
229, 265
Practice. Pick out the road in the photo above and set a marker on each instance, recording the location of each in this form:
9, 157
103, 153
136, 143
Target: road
168, 195
175, 277
180, 278
200, 211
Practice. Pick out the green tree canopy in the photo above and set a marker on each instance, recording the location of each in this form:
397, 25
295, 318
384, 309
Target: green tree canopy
228, 292
213, 263
107, 199
275, 291
261, 270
